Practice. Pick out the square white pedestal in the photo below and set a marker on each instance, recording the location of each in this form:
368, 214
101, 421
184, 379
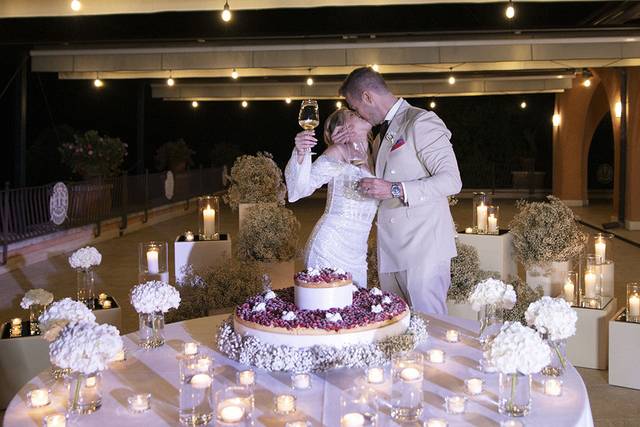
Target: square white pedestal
461, 310
624, 351
589, 347
495, 252
201, 255
111, 316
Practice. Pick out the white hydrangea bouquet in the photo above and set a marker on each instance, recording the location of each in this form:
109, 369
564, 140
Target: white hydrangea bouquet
154, 296
60, 313
85, 258
85, 347
518, 349
492, 292
555, 319
36, 297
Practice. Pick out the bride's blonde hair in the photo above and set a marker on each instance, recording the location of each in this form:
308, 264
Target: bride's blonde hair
337, 118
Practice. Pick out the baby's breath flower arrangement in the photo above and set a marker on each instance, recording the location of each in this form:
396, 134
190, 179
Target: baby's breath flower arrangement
269, 233
465, 270
545, 232
524, 297
255, 179
227, 285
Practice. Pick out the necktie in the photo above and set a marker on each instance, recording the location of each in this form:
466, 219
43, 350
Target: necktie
384, 126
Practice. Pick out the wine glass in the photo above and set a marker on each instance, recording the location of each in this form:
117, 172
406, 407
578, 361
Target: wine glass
309, 116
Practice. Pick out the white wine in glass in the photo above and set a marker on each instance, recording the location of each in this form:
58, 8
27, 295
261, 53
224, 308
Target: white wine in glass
309, 116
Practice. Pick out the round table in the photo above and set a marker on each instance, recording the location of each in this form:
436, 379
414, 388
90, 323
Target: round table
156, 372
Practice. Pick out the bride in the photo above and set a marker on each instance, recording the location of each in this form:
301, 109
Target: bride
339, 238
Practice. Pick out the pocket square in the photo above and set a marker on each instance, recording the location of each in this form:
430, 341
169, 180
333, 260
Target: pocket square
399, 143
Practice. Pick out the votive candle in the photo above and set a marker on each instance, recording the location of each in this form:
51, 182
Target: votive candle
552, 387
38, 397
90, 382
139, 402
201, 381
285, 404
436, 356
301, 381
54, 420
452, 335
247, 377
455, 405
120, 356
230, 411
512, 423
188, 236
410, 374
468, 230
16, 322
375, 375
436, 422
352, 419
474, 386
203, 364
106, 304
102, 296
190, 349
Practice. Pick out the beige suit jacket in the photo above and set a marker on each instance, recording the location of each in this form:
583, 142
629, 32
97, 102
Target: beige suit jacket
416, 151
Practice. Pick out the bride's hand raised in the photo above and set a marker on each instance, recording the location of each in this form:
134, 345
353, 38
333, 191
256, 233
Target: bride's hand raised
305, 140
341, 135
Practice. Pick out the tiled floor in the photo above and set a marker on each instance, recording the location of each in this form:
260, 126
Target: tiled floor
612, 406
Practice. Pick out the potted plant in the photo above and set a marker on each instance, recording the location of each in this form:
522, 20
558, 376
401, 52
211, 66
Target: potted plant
255, 179
174, 156
546, 238
269, 236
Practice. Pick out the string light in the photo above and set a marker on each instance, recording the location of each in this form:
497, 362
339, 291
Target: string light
510, 11
245, 104
76, 5
452, 80
556, 120
309, 81
376, 68
338, 104
98, 83
287, 100
618, 109
586, 83
234, 74
170, 82
195, 104
226, 12
432, 104
523, 104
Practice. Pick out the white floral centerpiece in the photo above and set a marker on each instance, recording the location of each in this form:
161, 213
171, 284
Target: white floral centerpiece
60, 313
151, 300
36, 297
84, 260
492, 292
85, 348
556, 321
516, 352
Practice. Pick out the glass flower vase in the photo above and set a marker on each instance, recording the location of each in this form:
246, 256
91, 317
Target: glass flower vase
514, 394
86, 282
558, 363
491, 317
85, 393
35, 311
151, 329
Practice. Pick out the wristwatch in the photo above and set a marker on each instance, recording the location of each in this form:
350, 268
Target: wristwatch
396, 190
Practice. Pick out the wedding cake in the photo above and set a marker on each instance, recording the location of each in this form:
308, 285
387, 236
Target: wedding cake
322, 308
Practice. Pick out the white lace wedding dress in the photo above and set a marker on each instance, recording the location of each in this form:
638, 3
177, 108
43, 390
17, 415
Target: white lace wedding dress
339, 238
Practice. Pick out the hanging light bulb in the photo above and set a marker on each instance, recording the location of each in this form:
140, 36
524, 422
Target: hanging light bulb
452, 80
226, 12
195, 104
338, 105
586, 83
523, 104
76, 5
98, 83
309, 81
287, 100
234, 74
245, 104
556, 120
510, 11
170, 82
618, 109
432, 104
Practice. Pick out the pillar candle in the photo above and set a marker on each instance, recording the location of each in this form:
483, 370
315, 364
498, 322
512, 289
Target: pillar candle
152, 261
493, 223
634, 306
590, 284
569, 290
601, 249
352, 419
482, 217
608, 269
209, 221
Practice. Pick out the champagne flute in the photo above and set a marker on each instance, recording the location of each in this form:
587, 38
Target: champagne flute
309, 116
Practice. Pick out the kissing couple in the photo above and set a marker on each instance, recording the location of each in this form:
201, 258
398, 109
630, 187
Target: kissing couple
404, 174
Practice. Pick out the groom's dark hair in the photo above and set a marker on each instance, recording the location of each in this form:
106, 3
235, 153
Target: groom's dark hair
360, 80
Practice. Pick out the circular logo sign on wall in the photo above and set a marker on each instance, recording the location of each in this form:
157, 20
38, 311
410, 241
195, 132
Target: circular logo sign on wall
168, 186
59, 203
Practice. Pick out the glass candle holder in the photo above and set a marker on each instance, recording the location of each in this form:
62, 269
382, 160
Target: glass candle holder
511, 423
570, 287
375, 375
190, 348
452, 335
284, 404
407, 373
592, 279
493, 220
153, 261
106, 304
209, 217
358, 407
474, 386
300, 381
633, 302
298, 423
85, 286
38, 398
196, 379
85, 393
436, 356
102, 296
54, 420
481, 203
455, 405
139, 403
188, 236
553, 387
234, 405
246, 378
602, 244
436, 422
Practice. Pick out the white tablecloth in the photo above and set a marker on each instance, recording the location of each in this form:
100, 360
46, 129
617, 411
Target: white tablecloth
156, 371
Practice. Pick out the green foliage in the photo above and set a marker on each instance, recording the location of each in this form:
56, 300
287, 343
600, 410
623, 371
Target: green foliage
173, 155
91, 154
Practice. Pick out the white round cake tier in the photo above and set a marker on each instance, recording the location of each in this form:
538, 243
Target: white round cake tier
309, 337
323, 298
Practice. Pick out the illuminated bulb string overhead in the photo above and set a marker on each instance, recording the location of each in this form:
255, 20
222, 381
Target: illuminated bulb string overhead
432, 104
226, 12
234, 74
195, 104
523, 104
245, 104
510, 11
309, 81
287, 100
338, 105
76, 5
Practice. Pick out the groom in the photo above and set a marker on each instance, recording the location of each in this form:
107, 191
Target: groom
416, 170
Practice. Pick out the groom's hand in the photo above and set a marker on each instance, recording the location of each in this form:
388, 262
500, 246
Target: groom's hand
376, 188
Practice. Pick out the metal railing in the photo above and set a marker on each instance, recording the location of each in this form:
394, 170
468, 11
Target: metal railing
25, 212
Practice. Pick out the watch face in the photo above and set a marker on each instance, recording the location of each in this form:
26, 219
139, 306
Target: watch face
395, 190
